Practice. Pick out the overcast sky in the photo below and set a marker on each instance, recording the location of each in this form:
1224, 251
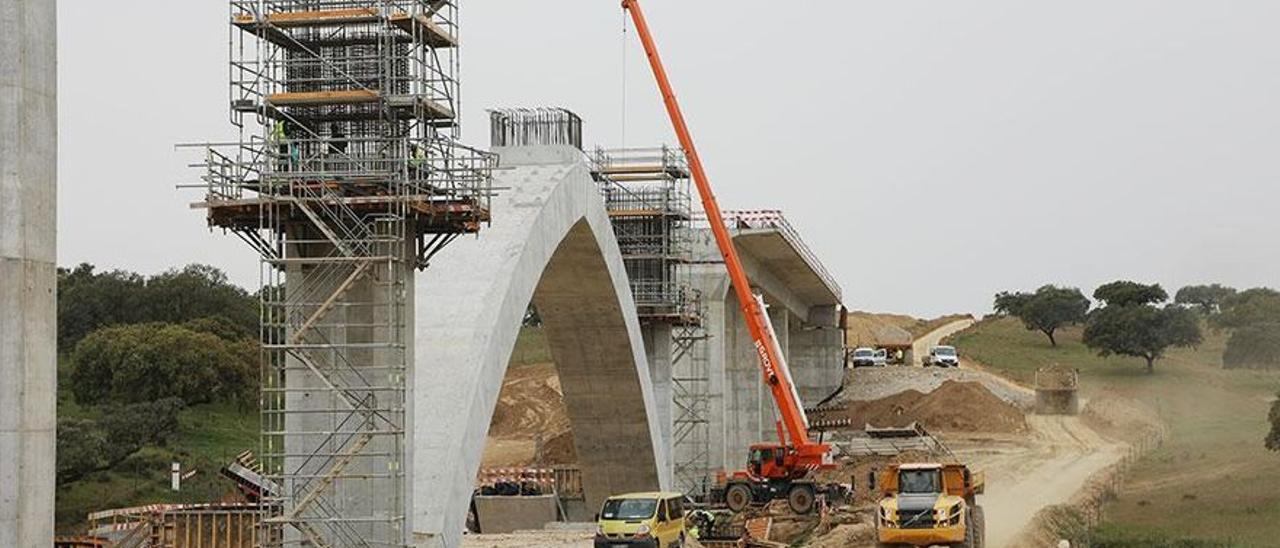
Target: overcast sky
931, 153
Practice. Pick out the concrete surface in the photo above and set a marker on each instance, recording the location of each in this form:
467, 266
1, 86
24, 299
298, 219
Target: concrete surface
28, 275
500, 515
804, 309
550, 243
357, 361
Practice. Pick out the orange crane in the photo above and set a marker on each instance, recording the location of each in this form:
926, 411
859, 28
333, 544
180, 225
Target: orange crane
774, 470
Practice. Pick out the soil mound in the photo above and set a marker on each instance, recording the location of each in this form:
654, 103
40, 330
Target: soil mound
953, 406
559, 450
529, 404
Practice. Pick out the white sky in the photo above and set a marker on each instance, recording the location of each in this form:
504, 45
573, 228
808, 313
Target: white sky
932, 153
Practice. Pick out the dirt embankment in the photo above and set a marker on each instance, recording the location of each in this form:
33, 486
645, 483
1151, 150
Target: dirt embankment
871, 329
953, 406
530, 418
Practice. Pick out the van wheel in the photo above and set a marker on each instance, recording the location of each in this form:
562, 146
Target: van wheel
737, 497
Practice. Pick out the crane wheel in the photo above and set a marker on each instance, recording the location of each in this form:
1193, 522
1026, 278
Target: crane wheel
800, 498
738, 496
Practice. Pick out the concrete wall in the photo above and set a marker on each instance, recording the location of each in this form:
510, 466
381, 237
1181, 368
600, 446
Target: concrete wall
550, 243
28, 275
509, 514
805, 319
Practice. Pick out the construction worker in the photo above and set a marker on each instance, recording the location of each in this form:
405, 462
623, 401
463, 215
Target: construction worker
280, 137
700, 521
339, 140
417, 160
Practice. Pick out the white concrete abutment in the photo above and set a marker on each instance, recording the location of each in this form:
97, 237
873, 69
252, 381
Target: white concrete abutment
28, 271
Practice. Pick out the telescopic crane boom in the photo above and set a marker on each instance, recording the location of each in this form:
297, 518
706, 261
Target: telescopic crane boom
798, 454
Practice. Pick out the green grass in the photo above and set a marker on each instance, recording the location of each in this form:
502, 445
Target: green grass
1113, 536
209, 436
531, 347
1212, 481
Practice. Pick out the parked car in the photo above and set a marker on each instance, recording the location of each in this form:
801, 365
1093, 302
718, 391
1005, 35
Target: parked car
869, 357
942, 356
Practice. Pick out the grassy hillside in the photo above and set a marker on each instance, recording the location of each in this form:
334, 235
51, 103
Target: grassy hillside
1212, 480
209, 437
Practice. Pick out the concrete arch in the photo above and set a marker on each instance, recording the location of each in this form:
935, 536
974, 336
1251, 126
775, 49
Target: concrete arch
551, 242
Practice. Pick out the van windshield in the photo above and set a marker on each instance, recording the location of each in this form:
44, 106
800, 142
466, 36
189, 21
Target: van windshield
628, 509
863, 352
944, 351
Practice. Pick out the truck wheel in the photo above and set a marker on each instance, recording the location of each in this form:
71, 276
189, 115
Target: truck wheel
801, 498
968, 530
980, 527
737, 496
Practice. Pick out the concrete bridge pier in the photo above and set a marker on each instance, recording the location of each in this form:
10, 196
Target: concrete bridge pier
28, 271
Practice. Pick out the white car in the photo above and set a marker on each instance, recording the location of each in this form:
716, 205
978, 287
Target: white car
869, 357
942, 356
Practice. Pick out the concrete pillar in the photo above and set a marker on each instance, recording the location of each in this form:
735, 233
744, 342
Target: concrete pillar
657, 346
28, 272
714, 289
743, 391
817, 354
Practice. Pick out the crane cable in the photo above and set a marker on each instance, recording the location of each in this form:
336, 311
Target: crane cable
626, 21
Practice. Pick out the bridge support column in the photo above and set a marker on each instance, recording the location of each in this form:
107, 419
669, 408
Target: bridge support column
28, 275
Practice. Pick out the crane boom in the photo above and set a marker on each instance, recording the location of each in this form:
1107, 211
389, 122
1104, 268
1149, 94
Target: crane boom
765, 342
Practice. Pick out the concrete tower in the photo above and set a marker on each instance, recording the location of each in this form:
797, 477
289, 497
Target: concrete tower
28, 166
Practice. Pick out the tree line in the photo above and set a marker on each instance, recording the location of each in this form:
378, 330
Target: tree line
137, 350
1136, 319
1133, 319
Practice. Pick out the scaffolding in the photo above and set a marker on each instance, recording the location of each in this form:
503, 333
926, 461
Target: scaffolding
347, 177
647, 195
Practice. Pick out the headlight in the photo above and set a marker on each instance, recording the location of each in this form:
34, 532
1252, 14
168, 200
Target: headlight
600, 531
643, 531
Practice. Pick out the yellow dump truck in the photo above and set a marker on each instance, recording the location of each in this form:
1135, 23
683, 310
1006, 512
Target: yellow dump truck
923, 504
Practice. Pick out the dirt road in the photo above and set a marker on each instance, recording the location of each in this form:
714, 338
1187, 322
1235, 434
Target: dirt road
1030, 473
920, 348
1026, 473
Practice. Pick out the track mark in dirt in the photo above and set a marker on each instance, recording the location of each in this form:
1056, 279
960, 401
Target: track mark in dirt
1048, 469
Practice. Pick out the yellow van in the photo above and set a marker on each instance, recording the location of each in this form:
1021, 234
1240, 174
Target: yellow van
641, 520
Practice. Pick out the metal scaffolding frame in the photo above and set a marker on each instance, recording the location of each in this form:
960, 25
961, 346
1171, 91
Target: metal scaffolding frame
646, 192
647, 195
347, 176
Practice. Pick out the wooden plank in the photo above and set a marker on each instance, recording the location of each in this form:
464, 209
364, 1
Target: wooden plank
635, 213
322, 18
314, 98
424, 29
633, 169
